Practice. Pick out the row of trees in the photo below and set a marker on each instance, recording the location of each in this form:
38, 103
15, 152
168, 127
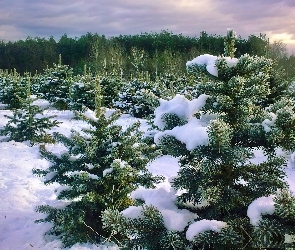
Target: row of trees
127, 54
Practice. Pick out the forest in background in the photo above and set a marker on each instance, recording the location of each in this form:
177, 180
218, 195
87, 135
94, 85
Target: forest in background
155, 53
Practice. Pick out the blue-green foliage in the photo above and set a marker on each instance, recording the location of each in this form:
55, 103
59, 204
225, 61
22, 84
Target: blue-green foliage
82, 93
13, 88
55, 85
110, 88
102, 165
139, 98
250, 114
28, 121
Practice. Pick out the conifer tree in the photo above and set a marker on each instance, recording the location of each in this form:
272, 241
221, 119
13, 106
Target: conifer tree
246, 201
56, 83
140, 97
82, 92
102, 165
28, 122
229, 43
12, 89
111, 86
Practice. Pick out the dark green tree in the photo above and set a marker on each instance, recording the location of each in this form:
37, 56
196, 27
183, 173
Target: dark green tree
229, 43
55, 85
140, 97
220, 179
102, 165
13, 88
82, 92
28, 122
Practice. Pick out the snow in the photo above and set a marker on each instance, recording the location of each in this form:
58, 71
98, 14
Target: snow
260, 206
90, 115
107, 171
21, 192
209, 61
194, 133
203, 226
165, 165
132, 212
290, 176
179, 106
268, 124
164, 198
41, 103
49, 176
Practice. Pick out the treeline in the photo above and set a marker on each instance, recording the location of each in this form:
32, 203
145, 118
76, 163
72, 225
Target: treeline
155, 53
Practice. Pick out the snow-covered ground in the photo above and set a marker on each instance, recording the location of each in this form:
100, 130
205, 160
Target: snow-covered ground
21, 191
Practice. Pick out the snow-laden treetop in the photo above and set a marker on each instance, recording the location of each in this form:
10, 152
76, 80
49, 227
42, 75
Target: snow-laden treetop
210, 60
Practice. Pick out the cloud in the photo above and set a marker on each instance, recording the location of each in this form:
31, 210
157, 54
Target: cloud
19, 19
259, 16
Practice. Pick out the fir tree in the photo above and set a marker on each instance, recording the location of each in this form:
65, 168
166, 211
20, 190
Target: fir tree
28, 121
111, 86
55, 85
229, 43
82, 92
139, 98
220, 178
13, 89
102, 165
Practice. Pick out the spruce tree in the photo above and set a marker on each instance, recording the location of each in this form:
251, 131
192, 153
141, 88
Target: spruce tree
55, 85
102, 165
220, 179
13, 88
82, 92
28, 122
229, 43
140, 97
111, 86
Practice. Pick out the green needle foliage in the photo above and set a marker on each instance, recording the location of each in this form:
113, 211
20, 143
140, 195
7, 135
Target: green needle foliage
82, 92
219, 180
223, 174
13, 88
55, 85
229, 43
101, 167
139, 98
28, 121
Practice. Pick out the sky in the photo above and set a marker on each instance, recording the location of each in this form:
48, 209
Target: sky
22, 18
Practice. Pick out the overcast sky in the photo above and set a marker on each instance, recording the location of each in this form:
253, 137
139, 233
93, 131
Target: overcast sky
22, 18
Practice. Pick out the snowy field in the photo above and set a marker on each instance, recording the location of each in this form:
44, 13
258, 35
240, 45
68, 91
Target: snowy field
21, 192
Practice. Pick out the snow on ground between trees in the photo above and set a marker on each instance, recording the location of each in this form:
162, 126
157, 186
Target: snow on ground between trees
21, 191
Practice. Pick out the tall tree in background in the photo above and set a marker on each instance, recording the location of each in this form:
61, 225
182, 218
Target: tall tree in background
277, 50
